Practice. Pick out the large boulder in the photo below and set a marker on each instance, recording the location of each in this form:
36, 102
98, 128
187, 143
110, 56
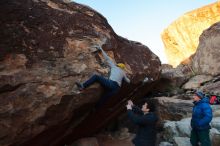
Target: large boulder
181, 38
46, 46
181, 141
206, 59
177, 107
196, 81
172, 108
215, 123
178, 132
211, 87
172, 79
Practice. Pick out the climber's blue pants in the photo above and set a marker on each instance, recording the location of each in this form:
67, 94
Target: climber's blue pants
110, 86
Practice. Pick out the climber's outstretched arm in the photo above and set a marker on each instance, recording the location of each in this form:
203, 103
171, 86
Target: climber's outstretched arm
107, 58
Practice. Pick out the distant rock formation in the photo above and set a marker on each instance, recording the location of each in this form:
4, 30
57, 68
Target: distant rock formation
206, 59
181, 38
47, 45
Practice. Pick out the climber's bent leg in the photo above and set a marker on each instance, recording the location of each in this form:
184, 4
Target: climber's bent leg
106, 83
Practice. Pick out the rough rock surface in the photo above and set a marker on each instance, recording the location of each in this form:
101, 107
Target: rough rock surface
121, 137
172, 79
171, 108
182, 129
47, 45
174, 108
181, 38
181, 141
206, 59
164, 143
91, 141
196, 81
212, 87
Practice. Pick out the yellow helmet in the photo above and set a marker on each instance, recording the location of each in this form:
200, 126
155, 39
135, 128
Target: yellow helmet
121, 65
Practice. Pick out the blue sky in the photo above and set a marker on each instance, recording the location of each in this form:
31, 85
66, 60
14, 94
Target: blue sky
144, 20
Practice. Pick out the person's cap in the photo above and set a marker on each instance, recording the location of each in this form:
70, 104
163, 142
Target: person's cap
199, 94
121, 65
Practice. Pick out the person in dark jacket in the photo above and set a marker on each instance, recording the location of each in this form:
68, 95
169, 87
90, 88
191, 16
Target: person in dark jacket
201, 118
146, 120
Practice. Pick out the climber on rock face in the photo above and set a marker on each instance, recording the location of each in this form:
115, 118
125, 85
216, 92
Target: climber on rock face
112, 84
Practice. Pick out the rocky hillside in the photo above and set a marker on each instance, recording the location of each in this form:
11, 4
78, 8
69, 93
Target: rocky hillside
46, 46
175, 96
181, 38
175, 110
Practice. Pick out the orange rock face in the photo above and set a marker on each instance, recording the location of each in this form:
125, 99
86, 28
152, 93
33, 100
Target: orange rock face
181, 38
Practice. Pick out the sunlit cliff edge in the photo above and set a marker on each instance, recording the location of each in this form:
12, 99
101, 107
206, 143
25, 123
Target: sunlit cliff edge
181, 37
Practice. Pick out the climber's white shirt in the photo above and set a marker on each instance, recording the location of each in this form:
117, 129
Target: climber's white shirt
117, 74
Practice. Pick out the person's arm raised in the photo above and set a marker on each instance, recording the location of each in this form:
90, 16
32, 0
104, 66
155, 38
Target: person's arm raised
126, 79
106, 57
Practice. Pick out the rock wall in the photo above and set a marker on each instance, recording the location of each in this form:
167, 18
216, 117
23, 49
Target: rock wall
175, 110
181, 38
206, 59
178, 132
46, 46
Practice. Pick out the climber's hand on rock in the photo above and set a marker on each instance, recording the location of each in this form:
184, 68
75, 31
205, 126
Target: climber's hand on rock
128, 107
130, 102
99, 48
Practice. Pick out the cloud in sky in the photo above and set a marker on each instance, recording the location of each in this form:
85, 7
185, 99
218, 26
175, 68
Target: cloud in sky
144, 20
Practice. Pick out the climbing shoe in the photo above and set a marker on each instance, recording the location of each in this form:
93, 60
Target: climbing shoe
80, 86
